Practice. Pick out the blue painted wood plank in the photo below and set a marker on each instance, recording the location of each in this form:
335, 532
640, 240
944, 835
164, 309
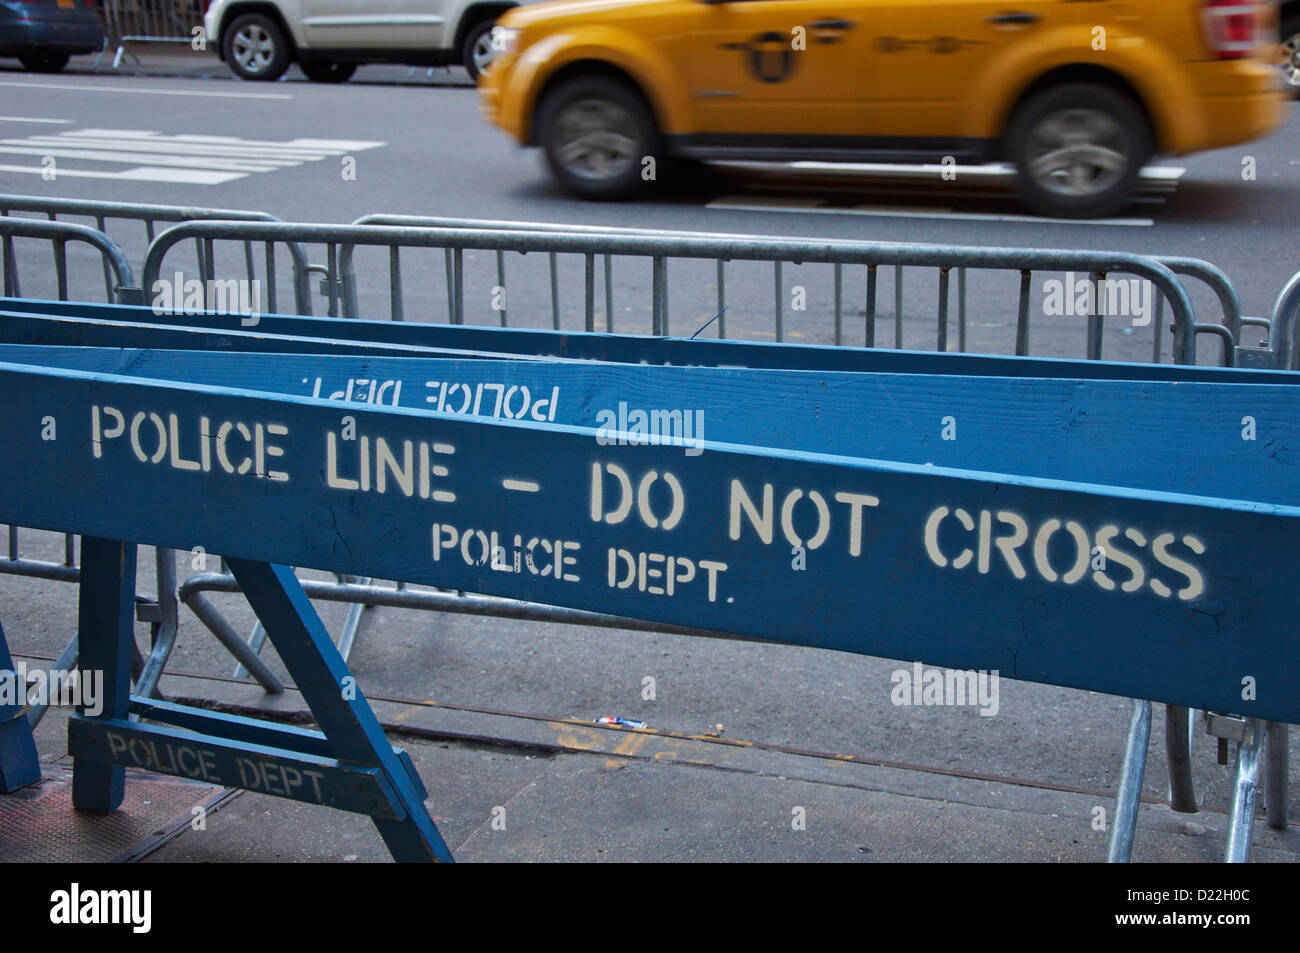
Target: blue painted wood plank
952, 567
1186, 437
237, 763
227, 332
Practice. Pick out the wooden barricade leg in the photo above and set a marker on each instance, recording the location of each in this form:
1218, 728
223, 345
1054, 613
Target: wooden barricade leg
344, 715
19, 764
106, 635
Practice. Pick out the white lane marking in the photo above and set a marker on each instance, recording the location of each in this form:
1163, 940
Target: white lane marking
164, 158
141, 174
523, 486
739, 203
52, 122
146, 92
995, 170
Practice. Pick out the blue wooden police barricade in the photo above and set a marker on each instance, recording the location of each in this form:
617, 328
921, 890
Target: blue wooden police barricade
973, 553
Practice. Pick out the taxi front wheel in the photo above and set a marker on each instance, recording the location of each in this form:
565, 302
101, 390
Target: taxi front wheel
597, 134
1078, 150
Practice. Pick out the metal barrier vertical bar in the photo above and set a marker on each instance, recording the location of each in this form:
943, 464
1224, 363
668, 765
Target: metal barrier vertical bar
589, 291
871, 306
1022, 316
61, 267
501, 282
961, 310
656, 294
451, 286
898, 306
458, 274
396, 311
13, 542
609, 294
839, 304
1159, 327
1096, 314
663, 299
200, 260
248, 260
776, 298
272, 297
942, 343
1129, 795
722, 298
108, 272
332, 279
1182, 794
69, 549
1241, 817
555, 293
1275, 778
11, 268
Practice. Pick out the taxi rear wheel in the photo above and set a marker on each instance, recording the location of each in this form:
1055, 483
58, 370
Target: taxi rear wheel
1291, 54
1078, 150
597, 132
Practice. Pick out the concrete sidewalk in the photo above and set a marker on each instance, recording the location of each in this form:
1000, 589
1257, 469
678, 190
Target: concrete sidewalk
511, 787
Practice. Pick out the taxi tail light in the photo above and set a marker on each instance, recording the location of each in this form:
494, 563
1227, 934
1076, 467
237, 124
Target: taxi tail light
1232, 27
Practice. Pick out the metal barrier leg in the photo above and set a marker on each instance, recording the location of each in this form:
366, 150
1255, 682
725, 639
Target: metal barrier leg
353, 731
164, 621
1182, 791
1276, 776
106, 628
256, 639
19, 763
1129, 795
1242, 815
235, 645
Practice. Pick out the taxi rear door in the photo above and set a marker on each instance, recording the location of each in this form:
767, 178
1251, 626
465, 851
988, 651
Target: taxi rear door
776, 68
920, 57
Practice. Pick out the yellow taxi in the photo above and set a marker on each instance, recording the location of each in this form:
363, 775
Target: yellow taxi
1077, 94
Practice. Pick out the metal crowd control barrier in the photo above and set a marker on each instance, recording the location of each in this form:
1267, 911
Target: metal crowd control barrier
342, 240
150, 216
160, 612
148, 21
1205, 272
698, 543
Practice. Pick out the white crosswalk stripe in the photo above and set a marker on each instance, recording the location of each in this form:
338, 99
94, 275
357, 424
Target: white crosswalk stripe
154, 157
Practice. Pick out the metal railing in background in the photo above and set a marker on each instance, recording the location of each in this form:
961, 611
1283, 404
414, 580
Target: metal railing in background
341, 242
119, 281
1214, 278
151, 216
148, 21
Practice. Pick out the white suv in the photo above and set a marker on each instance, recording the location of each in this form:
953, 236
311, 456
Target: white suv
329, 39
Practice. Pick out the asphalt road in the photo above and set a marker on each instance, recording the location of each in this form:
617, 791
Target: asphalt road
419, 148
308, 152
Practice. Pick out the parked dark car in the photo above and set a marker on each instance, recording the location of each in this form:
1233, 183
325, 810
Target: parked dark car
44, 34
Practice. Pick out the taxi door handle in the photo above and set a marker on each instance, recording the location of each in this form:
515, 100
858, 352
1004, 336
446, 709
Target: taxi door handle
1014, 19
831, 24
